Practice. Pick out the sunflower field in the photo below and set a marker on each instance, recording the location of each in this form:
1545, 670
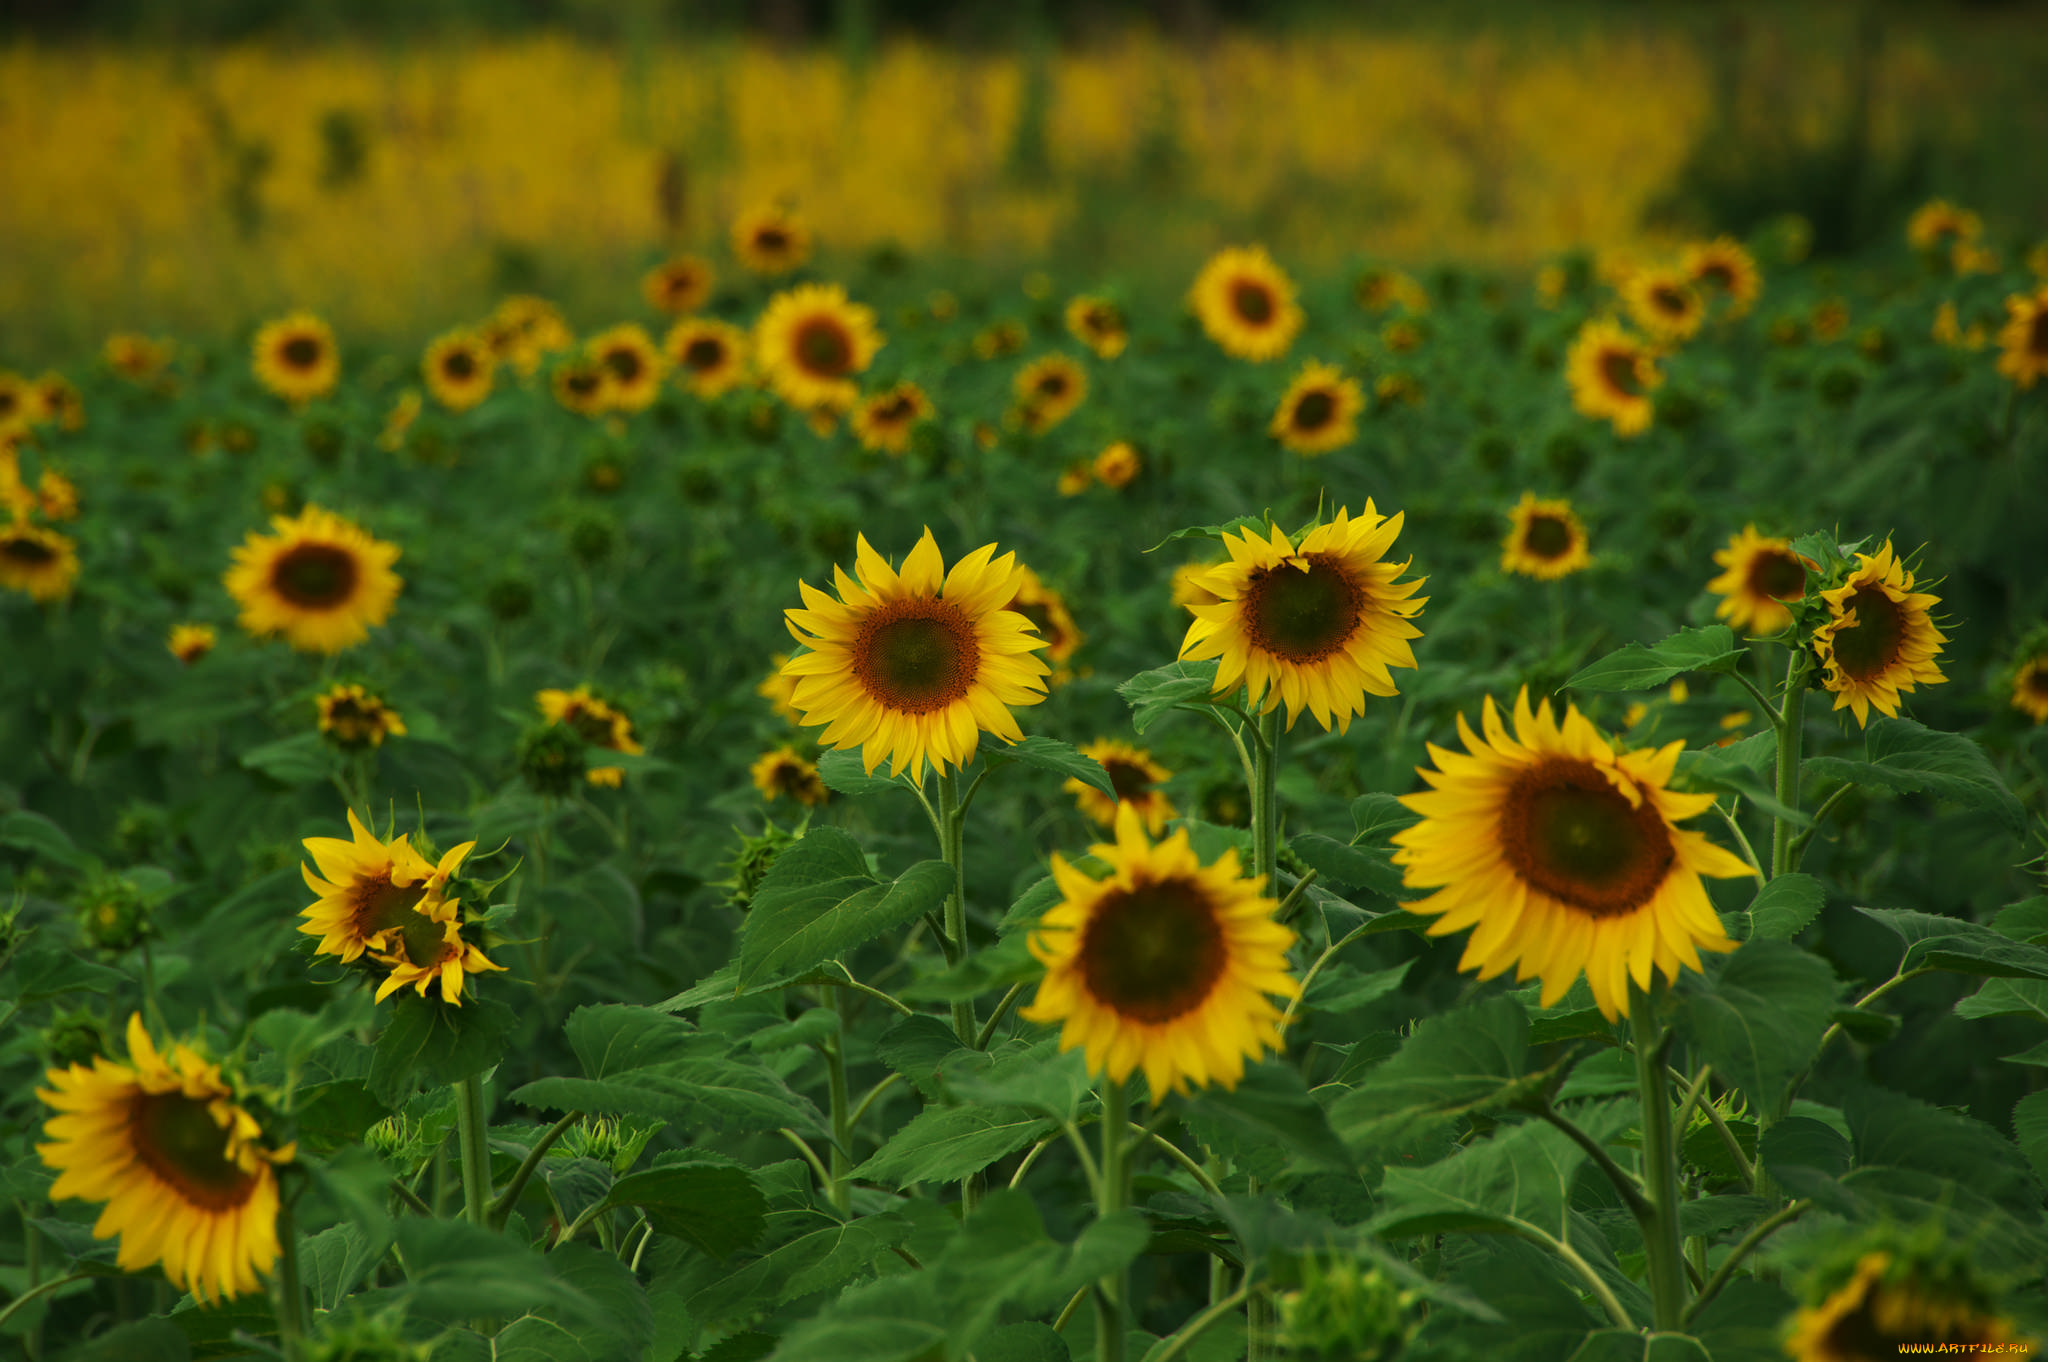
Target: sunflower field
866, 813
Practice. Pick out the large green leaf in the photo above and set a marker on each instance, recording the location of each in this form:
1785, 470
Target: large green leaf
945, 1144
897, 1319
31, 831
1520, 1177
1047, 754
445, 1043
1896, 1131
1038, 1076
1472, 1059
300, 760
1758, 1015
1156, 693
1782, 908
1363, 867
845, 773
1269, 1113
716, 1207
1950, 943
456, 1270
816, 1261
1634, 667
819, 901
1902, 756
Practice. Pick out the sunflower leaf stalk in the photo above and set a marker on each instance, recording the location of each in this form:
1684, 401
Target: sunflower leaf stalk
291, 1296
1661, 1241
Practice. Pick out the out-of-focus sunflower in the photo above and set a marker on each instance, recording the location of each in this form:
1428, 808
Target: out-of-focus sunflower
1000, 339
710, 356
523, 330
190, 642
583, 386
2023, 340
458, 368
398, 421
1762, 575
771, 240
1048, 613
2030, 688
1136, 779
1118, 466
58, 396
785, 772
56, 496
1726, 268
1664, 303
634, 363
1076, 478
884, 421
296, 358
1048, 389
1938, 225
38, 562
1888, 1309
370, 891
1829, 319
596, 721
810, 342
778, 687
1098, 324
1319, 411
1546, 539
1164, 965
1612, 374
1879, 640
352, 718
1245, 303
319, 580
679, 286
20, 406
136, 357
1377, 289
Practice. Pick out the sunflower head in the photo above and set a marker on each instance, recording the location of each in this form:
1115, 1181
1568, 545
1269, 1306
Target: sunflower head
811, 341
524, 329
296, 358
1136, 779
1723, 268
1938, 225
709, 356
595, 722
1612, 374
1879, 640
458, 369
2030, 687
1763, 577
319, 580
884, 422
1890, 1291
1118, 466
1664, 303
1546, 539
1048, 389
1098, 324
679, 286
190, 642
1245, 303
135, 356
771, 240
370, 890
583, 386
38, 562
632, 364
353, 719
1047, 610
1319, 411
785, 772
2023, 340
60, 401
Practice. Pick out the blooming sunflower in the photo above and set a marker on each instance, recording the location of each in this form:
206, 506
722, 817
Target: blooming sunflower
810, 341
458, 368
1118, 466
1246, 304
914, 665
1376, 290
771, 240
2023, 340
182, 1165
56, 496
1883, 1312
785, 772
1098, 324
1611, 374
678, 286
352, 718
709, 355
1003, 338
1136, 779
1726, 267
60, 401
1879, 639
1938, 225
2030, 688
190, 642
523, 329
884, 421
430, 950
1048, 389
1565, 854
135, 357
1664, 303
1165, 965
41, 563
1763, 574
583, 386
296, 358
1048, 613
20, 406
319, 580
1188, 586
372, 891
1315, 625
635, 365
1319, 411
597, 722
1546, 540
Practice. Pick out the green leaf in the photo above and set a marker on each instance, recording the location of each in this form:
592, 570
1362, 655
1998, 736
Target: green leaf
1902, 756
2026, 920
1237, 525
335, 1261
1802, 1142
615, 1325
2007, 998
2030, 1125
1949, 943
845, 773
1782, 908
1363, 867
1736, 769
1521, 1176
700, 1093
300, 760
1472, 1059
611, 1038
457, 1270
797, 921
945, 1144
1758, 1016
915, 1046
1896, 1131
447, 1043
715, 1207
1047, 754
1270, 1110
896, 1319
1155, 693
32, 832
1339, 988
1375, 817
810, 1263
1709, 649
1037, 1076
49, 971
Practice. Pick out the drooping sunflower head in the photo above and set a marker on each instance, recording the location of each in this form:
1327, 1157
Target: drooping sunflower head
459, 368
679, 286
1763, 575
1664, 303
1319, 411
1314, 625
1136, 779
884, 421
785, 772
1165, 965
2023, 340
1245, 303
1566, 856
1611, 374
1098, 324
1047, 610
583, 386
1119, 465
1879, 640
709, 356
39, 562
1724, 268
1546, 539
1048, 389
914, 665
352, 718
632, 363
810, 342
183, 1166
190, 642
771, 240
296, 358
1939, 225
1890, 1305
2030, 687
319, 580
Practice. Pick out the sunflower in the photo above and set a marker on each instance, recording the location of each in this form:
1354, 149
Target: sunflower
1098, 324
1076, 478
583, 386
884, 421
1319, 411
1724, 266
1664, 303
1611, 374
1315, 625
679, 286
1763, 574
1547, 540
296, 358
778, 688
135, 357
597, 722
1048, 613
41, 563
182, 1165
811, 341
1136, 779
1376, 290
785, 772
56, 496
372, 891
60, 401
2030, 688
351, 718
1048, 389
1165, 965
2023, 340
709, 355
20, 406
1118, 466
1938, 224
915, 664
458, 368
1565, 854
1879, 639
1188, 586
1883, 1312
190, 642
523, 329
319, 580
1246, 304
430, 950
398, 421
771, 240
1003, 338
635, 365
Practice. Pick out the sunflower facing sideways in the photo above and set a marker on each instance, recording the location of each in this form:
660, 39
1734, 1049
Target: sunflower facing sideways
458, 369
41, 563
1564, 855
1319, 411
1136, 779
2023, 340
913, 665
1098, 324
883, 422
2030, 687
319, 580
1246, 304
679, 286
709, 356
1724, 268
1763, 575
183, 1166
1314, 625
1048, 389
811, 341
1879, 640
1048, 613
1546, 540
1611, 374
771, 240
1165, 965
296, 358
632, 362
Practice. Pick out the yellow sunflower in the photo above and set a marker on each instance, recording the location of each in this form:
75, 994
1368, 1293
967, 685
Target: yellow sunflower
2030, 688
1246, 304
135, 357
1098, 324
319, 580
459, 368
1001, 339
41, 563
2023, 340
296, 358
524, 329
915, 665
352, 718
1566, 856
1612, 374
884, 421
1136, 778
1165, 965
432, 950
771, 240
1076, 478
20, 406
1379, 289
634, 364
597, 722
678, 286
372, 891
1048, 613
1048, 389
56, 496
188, 1180
1879, 640
1724, 266
709, 356
60, 401
1188, 586
1319, 411
1118, 466
1664, 303
1546, 540
1938, 225
785, 772
1763, 574
583, 386
810, 341
1315, 625
778, 687
190, 642
1882, 1313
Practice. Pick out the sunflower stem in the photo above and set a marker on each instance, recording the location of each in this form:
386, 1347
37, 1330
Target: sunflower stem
1660, 1166
1265, 801
291, 1302
475, 1150
952, 847
1113, 1291
1790, 731
837, 1186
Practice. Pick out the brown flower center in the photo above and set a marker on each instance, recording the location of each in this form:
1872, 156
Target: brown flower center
1618, 370
1566, 830
625, 363
1131, 781
459, 365
177, 1138
27, 551
916, 655
1052, 385
1547, 537
1718, 273
893, 409
301, 352
1302, 616
1155, 952
1252, 301
1668, 300
771, 240
705, 352
378, 905
1777, 573
823, 348
1314, 410
2036, 678
582, 383
315, 576
2037, 334
1866, 648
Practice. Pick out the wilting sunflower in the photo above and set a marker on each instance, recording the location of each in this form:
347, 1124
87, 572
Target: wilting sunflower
633, 362
810, 341
524, 329
135, 357
2023, 340
1246, 304
1048, 389
583, 386
1664, 303
915, 665
1611, 374
709, 355
1314, 625
1725, 267
678, 286
1566, 856
785, 772
884, 421
352, 718
1048, 613
1883, 1311
1546, 540
372, 891
296, 358
41, 563
1118, 466
1938, 225
771, 240
1166, 965
1098, 324
1879, 640
319, 580
1136, 779
2030, 688
183, 1167
458, 368
1319, 411
190, 642
597, 722
1763, 574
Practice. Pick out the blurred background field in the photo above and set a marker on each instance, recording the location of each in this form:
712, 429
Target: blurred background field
193, 166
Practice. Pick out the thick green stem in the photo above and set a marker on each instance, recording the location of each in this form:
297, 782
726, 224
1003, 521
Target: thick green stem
1660, 1167
952, 847
470, 1133
32, 1263
838, 1188
1790, 731
291, 1297
1112, 1293
1265, 797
